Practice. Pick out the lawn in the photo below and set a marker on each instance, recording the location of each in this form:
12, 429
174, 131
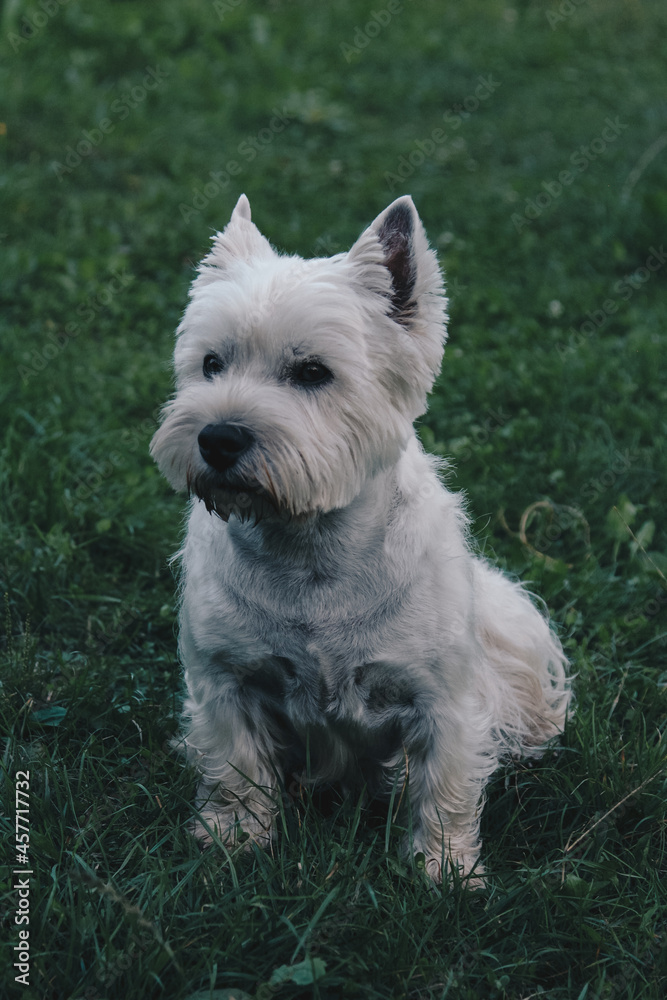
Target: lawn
533, 139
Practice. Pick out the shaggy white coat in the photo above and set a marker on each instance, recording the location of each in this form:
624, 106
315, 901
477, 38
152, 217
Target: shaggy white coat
332, 611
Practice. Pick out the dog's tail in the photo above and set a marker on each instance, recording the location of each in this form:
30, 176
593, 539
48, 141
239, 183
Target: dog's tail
528, 668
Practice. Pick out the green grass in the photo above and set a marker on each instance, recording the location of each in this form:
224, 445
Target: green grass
530, 406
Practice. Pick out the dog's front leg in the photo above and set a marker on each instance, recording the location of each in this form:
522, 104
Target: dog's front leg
448, 768
229, 743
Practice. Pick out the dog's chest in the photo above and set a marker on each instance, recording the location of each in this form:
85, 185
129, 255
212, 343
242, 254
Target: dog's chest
334, 660
344, 676
339, 668
352, 712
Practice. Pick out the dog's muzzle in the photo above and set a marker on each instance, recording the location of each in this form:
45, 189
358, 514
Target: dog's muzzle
221, 445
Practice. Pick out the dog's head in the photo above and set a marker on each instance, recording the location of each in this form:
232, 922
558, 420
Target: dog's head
297, 380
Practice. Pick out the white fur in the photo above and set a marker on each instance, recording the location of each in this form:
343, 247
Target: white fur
334, 609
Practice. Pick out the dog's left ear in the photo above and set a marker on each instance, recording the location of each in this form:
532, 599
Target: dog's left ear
396, 240
395, 230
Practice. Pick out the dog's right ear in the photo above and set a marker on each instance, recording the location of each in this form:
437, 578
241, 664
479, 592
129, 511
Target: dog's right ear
239, 240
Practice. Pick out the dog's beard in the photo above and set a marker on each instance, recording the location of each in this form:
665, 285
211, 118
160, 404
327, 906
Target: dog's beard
246, 499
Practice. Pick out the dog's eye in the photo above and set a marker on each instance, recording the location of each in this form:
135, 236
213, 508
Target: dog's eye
212, 365
312, 373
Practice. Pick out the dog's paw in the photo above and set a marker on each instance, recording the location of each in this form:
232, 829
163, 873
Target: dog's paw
468, 870
232, 826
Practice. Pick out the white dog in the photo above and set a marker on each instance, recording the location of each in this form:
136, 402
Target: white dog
333, 617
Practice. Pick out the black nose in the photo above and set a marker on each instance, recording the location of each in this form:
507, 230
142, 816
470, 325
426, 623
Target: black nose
222, 444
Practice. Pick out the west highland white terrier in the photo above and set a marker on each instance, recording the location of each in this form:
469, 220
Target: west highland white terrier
333, 616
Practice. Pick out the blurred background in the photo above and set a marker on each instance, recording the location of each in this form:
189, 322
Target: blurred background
533, 138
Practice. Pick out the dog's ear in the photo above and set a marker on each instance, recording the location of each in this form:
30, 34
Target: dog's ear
396, 239
239, 240
395, 230
241, 210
